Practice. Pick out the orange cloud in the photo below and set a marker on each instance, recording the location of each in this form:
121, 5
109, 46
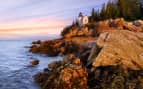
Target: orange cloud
32, 27
33, 23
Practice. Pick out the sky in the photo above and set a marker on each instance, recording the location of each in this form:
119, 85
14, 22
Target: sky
41, 17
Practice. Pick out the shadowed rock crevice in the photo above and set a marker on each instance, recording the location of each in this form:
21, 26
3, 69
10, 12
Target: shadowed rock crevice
93, 54
114, 77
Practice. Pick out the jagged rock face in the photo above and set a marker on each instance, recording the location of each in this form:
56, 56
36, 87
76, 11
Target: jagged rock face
119, 24
120, 47
62, 47
64, 75
74, 77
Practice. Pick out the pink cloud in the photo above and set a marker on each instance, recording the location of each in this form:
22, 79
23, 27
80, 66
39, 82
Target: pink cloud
34, 23
32, 27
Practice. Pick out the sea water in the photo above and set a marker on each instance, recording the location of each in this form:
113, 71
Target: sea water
14, 60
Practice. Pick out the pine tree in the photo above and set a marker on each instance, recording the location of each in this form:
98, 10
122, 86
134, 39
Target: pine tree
141, 10
103, 13
93, 15
93, 12
127, 9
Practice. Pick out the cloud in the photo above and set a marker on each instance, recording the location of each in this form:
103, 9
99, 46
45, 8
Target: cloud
34, 23
32, 17
21, 9
32, 27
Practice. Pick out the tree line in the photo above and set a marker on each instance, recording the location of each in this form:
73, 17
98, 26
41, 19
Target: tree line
127, 9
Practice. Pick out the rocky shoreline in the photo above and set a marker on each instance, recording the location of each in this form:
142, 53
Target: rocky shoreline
59, 47
112, 58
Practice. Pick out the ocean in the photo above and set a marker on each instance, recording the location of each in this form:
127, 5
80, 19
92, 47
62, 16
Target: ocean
15, 58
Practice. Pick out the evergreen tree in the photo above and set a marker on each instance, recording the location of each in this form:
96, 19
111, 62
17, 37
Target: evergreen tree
111, 10
128, 9
93, 15
103, 13
93, 12
141, 10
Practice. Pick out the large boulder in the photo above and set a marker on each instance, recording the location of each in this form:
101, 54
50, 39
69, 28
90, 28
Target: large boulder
119, 47
34, 62
138, 23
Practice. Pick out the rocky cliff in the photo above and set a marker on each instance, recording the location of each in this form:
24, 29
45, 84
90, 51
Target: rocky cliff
95, 28
115, 62
119, 47
100, 55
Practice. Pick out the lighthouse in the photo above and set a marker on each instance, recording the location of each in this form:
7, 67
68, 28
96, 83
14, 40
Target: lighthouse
82, 20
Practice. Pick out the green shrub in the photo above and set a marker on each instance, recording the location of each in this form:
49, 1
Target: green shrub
68, 29
91, 25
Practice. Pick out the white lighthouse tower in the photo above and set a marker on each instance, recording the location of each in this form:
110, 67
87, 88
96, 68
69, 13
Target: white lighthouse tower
82, 20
